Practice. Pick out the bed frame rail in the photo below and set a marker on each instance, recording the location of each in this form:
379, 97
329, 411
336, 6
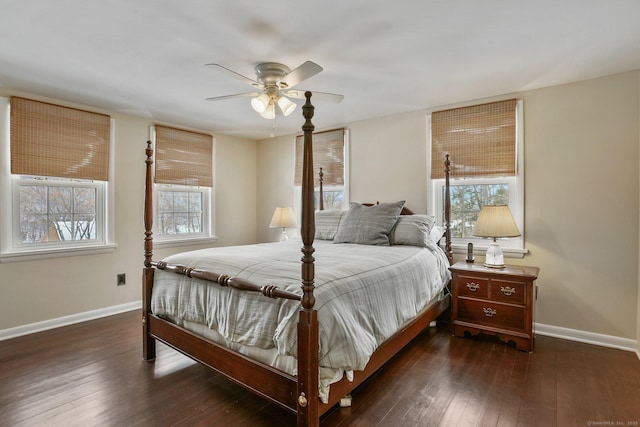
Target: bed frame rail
270, 291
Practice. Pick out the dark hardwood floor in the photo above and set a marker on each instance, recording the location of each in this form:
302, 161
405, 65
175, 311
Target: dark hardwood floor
92, 374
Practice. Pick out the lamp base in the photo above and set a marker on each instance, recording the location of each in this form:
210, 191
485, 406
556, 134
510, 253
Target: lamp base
284, 236
494, 257
494, 265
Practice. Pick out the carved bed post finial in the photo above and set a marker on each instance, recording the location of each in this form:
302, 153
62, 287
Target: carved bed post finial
308, 229
148, 208
447, 208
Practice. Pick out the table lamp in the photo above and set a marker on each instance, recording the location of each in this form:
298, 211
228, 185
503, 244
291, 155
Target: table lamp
283, 218
495, 221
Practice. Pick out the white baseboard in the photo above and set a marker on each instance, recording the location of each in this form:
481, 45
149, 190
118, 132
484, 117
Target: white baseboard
587, 337
31, 328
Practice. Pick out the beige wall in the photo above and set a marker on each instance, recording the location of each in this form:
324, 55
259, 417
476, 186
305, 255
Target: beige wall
35, 291
275, 182
581, 202
581, 207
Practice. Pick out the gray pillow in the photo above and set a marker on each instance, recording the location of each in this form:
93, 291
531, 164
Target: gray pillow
368, 225
327, 224
413, 230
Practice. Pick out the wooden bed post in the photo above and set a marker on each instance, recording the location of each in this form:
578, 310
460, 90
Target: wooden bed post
447, 209
308, 403
321, 194
148, 343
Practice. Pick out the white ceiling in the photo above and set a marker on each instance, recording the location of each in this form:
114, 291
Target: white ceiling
146, 57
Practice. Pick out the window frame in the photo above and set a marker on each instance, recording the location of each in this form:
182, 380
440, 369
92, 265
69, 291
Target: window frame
185, 237
512, 247
99, 186
297, 189
208, 207
10, 249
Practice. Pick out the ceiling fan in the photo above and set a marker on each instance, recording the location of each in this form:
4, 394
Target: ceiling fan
275, 82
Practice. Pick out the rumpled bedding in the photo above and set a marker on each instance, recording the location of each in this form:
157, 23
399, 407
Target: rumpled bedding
364, 294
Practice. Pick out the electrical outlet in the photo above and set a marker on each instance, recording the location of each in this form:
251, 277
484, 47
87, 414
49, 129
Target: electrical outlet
122, 279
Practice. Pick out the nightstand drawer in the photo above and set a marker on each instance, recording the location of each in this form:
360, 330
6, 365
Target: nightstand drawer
489, 314
472, 286
508, 291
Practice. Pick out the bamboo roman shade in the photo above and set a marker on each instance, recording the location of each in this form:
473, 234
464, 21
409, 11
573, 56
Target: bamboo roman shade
56, 141
481, 140
328, 154
183, 157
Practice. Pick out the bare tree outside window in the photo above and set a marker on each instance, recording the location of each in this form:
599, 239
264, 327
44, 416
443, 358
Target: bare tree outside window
52, 213
467, 201
180, 212
332, 200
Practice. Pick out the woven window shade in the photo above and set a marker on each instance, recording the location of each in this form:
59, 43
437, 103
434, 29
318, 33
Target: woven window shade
183, 157
56, 141
328, 154
481, 140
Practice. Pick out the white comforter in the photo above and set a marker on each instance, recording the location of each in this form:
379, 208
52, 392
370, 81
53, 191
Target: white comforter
364, 294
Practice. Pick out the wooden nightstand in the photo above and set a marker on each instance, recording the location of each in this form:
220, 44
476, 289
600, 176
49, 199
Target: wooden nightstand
496, 301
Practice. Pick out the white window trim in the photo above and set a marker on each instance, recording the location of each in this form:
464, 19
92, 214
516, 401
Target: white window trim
206, 237
513, 247
9, 252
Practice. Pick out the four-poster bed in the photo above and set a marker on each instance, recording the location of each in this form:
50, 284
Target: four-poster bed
296, 373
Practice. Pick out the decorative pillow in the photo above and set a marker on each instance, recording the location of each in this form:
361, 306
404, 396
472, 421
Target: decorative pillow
412, 230
436, 234
327, 224
368, 225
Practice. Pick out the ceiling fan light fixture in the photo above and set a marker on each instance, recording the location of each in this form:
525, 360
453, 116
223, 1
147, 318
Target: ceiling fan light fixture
286, 105
260, 103
269, 112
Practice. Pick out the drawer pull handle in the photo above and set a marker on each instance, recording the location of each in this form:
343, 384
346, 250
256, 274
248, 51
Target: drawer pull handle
473, 287
489, 312
507, 290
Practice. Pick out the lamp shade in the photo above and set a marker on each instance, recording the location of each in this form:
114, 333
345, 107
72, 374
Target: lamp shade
283, 218
260, 103
286, 105
269, 112
496, 221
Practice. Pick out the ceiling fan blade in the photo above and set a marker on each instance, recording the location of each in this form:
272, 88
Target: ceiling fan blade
235, 75
303, 72
235, 95
320, 96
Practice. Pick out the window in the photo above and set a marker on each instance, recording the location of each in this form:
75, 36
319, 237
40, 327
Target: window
330, 150
57, 212
56, 175
467, 201
485, 144
183, 185
180, 211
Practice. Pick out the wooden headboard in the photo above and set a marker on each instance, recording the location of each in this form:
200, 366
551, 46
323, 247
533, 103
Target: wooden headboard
405, 210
